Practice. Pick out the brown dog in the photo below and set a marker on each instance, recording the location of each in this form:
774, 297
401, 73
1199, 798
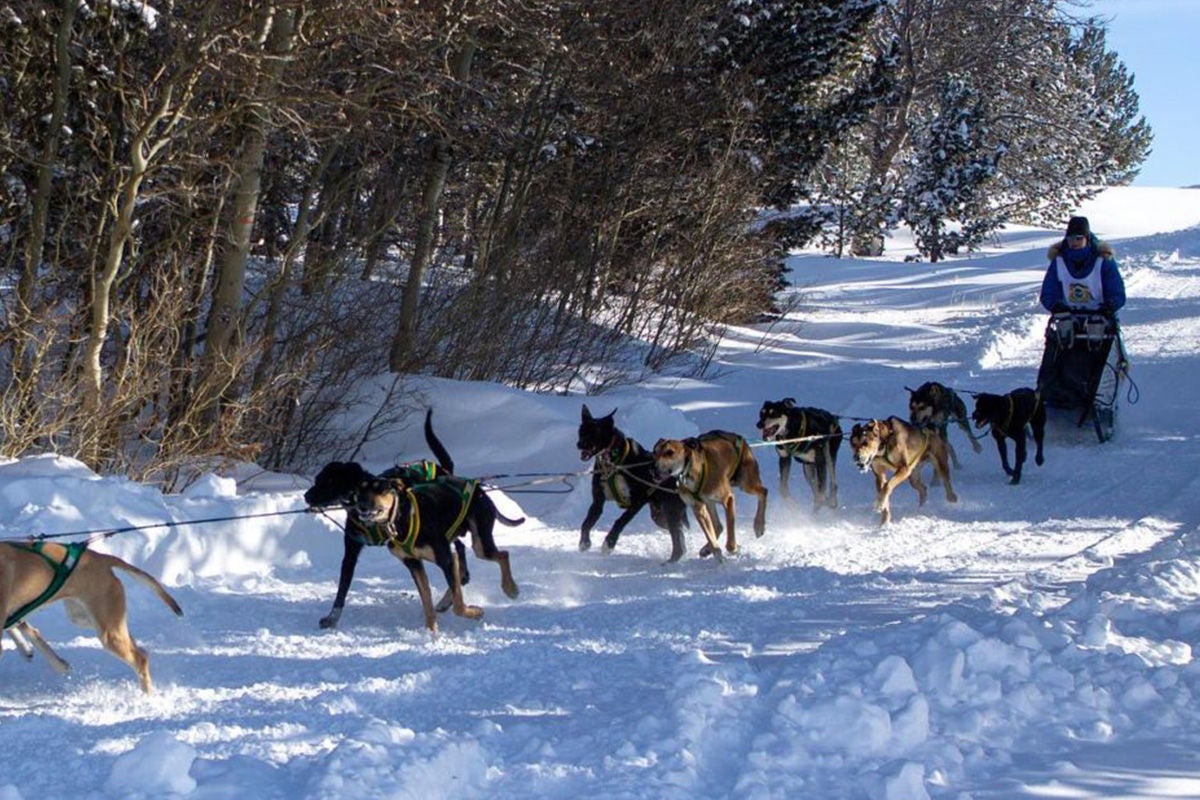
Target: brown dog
94, 596
893, 445
706, 468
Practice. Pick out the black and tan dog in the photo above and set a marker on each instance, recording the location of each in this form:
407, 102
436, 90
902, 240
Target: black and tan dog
937, 405
1009, 415
705, 469
37, 573
893, 445
811, 436
623, 472
337, 483
419, 522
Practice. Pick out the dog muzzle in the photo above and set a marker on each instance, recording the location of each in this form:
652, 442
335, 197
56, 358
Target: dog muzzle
664, 474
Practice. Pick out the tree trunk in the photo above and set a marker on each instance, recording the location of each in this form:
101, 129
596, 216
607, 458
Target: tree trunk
223, 327
401, 353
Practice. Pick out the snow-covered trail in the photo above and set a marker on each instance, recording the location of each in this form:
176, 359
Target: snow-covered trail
961, 648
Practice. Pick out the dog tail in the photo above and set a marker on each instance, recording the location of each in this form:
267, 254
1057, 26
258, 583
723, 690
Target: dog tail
144, 578
443, 457
512, 523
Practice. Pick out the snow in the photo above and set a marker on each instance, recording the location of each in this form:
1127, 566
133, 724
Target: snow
1030, 641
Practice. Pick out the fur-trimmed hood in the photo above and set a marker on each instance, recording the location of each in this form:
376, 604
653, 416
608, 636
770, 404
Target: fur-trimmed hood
1102, 247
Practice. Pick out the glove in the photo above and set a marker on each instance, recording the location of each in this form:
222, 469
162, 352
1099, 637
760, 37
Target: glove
1060, 308
1108, 310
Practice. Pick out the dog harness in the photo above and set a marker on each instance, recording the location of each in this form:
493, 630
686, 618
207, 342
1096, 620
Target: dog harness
694, 493
1012, 409
375, 534
611, 471
423, 471
62, 570
793, 447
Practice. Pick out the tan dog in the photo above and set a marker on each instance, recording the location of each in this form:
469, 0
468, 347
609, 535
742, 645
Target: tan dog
23, 634
893, 445
706, 468
94, 596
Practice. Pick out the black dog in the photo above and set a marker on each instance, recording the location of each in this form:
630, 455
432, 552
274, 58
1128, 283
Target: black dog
624, 473
811, 436
418, 522
337, 483
937, 405
1008, 415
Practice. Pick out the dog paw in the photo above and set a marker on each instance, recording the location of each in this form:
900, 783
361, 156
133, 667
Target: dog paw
511, 591
706, 551
951, 497
585, 545
327, 623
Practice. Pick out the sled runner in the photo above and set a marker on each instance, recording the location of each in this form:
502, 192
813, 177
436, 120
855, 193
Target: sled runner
1082, 368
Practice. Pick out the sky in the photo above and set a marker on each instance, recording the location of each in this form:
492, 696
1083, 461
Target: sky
1030, 641
1156, 41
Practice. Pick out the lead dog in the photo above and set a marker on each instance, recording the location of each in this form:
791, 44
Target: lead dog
336, 484
421, 521
623, 472
811, 436
1009, 415
937, 405
892, 444
34, 574
706, 468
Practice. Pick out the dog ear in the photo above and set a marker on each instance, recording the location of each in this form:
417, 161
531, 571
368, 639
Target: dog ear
587, 415
691, 443
789, 402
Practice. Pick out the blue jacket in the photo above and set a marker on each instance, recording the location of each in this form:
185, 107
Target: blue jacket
1080, 263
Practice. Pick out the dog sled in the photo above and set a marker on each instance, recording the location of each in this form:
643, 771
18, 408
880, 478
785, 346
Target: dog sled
1083, 367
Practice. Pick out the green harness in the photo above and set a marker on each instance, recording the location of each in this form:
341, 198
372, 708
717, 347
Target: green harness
374, 534
62, 570
613, 463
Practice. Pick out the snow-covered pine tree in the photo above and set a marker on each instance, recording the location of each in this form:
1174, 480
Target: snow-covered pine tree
944, 198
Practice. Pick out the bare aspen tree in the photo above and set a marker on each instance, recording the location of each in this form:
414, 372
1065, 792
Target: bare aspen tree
430, 207
222, 330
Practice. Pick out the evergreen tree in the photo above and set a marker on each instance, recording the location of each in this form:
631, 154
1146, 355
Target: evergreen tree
1060, 106
948, 174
